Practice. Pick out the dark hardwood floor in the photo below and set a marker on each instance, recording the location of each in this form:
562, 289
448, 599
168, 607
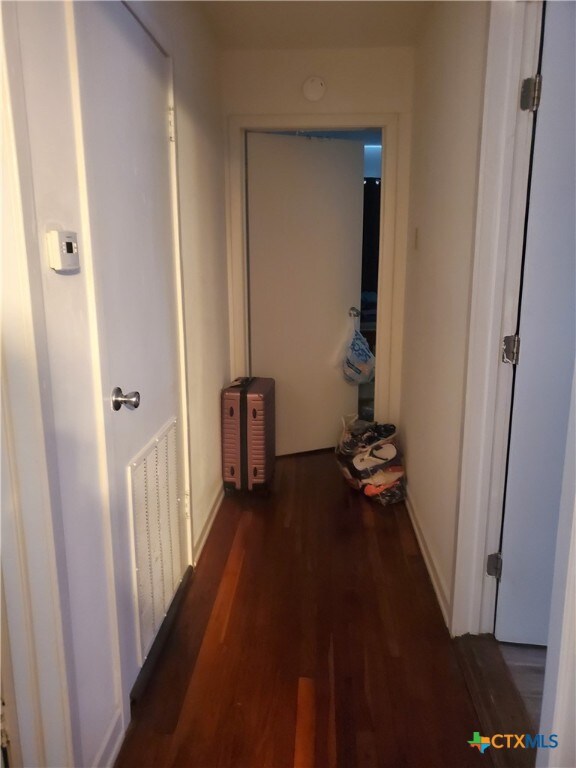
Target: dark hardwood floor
310, 635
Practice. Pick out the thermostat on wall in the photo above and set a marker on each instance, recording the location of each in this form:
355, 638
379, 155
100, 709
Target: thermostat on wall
63, 251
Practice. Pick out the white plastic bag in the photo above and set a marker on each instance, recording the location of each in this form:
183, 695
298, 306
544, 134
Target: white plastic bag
359, 362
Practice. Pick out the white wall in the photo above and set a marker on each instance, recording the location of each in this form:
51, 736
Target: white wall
32, 615
357, 80
200, 147
450, 63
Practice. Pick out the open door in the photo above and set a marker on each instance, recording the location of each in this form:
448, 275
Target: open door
543, 375
305, 202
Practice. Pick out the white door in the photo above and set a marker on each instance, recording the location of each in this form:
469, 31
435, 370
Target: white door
305, 200
547, 330
124, 91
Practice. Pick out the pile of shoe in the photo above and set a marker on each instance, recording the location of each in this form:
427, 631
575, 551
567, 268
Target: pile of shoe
370, 460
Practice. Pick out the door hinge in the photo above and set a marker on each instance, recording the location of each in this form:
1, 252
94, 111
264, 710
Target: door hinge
511, 349
494, 565
171, 124
531, 93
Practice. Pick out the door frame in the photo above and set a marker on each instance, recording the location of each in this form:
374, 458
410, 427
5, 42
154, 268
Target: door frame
393, 238
513, 47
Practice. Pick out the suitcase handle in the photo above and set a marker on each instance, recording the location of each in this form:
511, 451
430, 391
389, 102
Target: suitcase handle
242, 381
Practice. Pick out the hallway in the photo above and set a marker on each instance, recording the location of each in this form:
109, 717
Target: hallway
309, 636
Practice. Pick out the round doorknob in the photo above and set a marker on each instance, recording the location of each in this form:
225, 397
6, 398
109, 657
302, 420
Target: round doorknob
131, 400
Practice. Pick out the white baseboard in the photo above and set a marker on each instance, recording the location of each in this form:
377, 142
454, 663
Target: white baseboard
439, 587
111, 743
214, 507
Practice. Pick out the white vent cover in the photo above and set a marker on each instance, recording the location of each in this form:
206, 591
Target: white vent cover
156, 525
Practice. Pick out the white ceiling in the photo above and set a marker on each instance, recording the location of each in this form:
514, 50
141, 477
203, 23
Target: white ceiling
261, 24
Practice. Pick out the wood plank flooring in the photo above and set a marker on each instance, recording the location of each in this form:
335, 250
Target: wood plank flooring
489, 681
310, 636
527, 664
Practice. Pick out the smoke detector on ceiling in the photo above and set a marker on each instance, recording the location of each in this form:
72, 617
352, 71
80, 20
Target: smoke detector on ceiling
314, 88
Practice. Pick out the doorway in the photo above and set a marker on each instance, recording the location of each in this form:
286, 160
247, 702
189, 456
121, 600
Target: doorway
392, 242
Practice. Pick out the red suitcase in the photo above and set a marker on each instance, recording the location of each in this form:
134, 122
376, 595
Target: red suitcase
248, 434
